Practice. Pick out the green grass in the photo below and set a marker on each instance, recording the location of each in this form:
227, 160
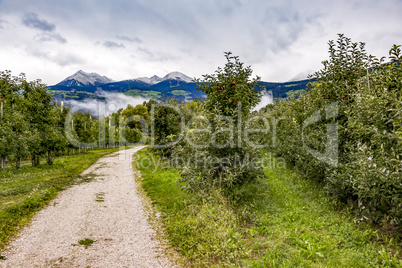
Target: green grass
143, 93
294, 92
86, 242
180, 93
279, 221
25, 191
100, 197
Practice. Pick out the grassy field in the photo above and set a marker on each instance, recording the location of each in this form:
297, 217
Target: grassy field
25, 191
142, 93
279, 221
180, 93
290, 94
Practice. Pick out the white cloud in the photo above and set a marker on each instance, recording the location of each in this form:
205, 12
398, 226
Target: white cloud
267, 98
113, 102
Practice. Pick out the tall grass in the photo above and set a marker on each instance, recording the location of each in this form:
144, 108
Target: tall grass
279, 221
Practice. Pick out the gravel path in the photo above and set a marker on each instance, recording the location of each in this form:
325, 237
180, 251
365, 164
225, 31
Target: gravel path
108, 210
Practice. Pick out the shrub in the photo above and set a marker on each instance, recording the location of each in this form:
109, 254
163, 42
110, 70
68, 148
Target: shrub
216, 151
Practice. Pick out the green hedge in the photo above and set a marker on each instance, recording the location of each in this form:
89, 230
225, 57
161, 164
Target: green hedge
365, 169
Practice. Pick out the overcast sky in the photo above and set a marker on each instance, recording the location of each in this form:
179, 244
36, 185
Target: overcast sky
124, 39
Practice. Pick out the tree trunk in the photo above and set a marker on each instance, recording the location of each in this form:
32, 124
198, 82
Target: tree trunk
35, 160
49, 157
3, 163
17, 162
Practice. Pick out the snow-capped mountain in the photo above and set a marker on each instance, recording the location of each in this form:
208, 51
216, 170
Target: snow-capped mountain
177, 76
302, 76
153, 80
83, 79
170, 76
82, 85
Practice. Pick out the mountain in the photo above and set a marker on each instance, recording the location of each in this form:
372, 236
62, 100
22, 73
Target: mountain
177, 76
83, 85
302, 76
170, 76
83, 79
153, 80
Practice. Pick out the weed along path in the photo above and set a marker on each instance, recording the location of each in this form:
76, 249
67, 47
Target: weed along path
102, 223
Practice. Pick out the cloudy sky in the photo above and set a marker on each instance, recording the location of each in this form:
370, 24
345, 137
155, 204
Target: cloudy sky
123, 39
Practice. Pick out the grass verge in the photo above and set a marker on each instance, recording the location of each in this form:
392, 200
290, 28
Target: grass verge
279, 221
25, 191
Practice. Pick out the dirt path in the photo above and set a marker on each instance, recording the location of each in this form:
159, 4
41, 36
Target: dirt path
108, 210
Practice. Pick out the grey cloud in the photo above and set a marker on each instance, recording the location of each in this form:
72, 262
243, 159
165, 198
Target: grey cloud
32, 20
146, 52
2, 23
45, 37
227, 6
158, 56
283, 27
111, 44
66, 59
129, 39
62, 59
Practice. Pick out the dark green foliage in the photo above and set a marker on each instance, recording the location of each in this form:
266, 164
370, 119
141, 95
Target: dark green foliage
30, 123
166, 119
216, 150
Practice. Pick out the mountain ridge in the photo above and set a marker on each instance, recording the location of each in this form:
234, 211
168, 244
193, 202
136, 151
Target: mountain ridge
83, 85
83, 79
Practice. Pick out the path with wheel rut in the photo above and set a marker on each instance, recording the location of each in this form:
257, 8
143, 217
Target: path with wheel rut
108, 210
